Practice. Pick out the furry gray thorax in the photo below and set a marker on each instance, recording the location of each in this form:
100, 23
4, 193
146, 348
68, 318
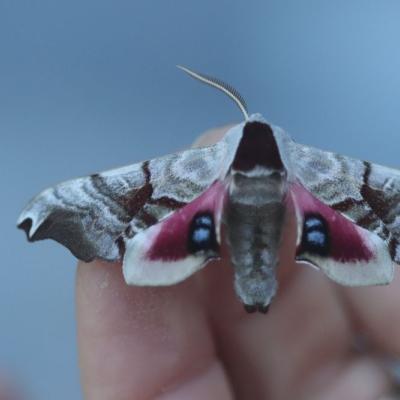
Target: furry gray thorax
254, 215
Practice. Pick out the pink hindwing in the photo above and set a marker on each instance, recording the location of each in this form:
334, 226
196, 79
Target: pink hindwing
347, 253
179, 245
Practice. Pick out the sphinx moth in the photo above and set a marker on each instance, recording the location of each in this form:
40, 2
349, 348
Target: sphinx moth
163, 217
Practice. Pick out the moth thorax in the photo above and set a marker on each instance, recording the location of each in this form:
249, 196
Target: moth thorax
258, 190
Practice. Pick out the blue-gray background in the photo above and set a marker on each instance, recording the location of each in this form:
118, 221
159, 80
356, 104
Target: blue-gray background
89, 85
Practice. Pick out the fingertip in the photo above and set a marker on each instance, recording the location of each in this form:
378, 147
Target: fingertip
374, 312
212, 383
211, 136
134, 341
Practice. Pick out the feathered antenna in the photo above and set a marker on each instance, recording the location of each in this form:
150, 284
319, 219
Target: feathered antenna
224, 87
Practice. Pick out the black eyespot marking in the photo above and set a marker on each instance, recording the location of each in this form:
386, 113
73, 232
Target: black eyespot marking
315, 238
202, 234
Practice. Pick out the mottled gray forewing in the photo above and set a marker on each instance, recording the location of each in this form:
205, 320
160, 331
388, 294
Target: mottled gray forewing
93, 215
366, 193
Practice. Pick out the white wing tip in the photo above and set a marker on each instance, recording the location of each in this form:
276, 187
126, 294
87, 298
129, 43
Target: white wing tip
25, 223
28, 223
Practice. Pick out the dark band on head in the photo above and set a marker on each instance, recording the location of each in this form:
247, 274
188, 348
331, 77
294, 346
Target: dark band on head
257, 148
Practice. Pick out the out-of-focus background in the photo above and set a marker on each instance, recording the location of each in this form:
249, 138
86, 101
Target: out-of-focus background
90, 85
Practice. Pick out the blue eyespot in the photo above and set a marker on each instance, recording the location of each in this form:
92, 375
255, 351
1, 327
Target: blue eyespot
202, 234
315, 238
313, 223
204, 220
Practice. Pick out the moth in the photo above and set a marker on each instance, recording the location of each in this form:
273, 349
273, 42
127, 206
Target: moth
163, 217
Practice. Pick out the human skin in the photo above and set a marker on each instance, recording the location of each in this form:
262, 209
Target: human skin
194, 340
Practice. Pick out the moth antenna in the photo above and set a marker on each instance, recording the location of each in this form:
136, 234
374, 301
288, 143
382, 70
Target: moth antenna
224, 87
